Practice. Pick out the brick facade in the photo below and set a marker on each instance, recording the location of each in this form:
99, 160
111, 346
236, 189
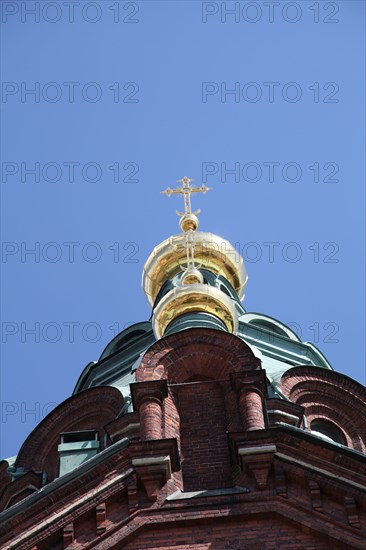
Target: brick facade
207, 460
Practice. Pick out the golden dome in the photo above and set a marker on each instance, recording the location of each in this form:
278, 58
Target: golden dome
194, 297
210, 252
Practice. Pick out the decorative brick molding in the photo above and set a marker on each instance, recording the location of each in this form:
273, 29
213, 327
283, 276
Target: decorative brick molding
67, 498
68, 535
196, 352
352, 513
284, 412
126, 425
23, 486
257, 461
329, 396
254, 457
100, 517
154, 462
296, 486
133, 500
235, 525
271, 529
315, 496
90, 409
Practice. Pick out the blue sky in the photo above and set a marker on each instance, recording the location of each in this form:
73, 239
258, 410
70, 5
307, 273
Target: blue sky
131, 96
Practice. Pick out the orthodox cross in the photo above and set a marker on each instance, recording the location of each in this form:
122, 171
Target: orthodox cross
186, 191
191, 270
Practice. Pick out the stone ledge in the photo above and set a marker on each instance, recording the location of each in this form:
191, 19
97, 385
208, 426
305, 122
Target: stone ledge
162, 461
181, 495
257, 450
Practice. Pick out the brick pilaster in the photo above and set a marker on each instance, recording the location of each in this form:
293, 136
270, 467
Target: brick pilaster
148, 399
251, 387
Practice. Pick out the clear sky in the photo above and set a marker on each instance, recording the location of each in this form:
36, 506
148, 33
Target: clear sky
264, 101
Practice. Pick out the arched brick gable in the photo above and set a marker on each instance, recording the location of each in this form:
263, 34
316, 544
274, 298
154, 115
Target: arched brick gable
90, 409
19, 489
331, 396
196, 352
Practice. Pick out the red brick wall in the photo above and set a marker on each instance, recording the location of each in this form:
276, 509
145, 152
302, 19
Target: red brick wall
204, 444
263, 534
332, 396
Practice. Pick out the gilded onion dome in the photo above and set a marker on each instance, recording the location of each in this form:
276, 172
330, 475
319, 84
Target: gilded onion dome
211, 252
198, 297
187, 253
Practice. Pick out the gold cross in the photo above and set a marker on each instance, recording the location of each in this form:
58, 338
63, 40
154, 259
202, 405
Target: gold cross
186, 191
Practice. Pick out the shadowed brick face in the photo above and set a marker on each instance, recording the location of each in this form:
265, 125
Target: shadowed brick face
204, 443
269, 534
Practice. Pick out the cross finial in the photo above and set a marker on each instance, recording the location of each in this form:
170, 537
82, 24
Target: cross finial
186, 190
188, 224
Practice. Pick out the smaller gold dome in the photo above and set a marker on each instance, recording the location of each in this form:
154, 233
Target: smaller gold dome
194, 297
189, 222
210, 252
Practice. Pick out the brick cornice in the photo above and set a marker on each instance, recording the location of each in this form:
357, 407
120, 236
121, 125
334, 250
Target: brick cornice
245, 508
87, 480
251, 380
154, 448
335, 462
304, 459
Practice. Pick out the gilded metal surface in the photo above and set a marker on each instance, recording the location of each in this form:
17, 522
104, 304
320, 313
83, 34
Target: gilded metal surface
188, 222
210, 252
186, 190
192, 276
195, 297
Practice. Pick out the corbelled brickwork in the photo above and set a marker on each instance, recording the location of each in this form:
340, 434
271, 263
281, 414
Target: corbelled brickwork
330, 396
266, 533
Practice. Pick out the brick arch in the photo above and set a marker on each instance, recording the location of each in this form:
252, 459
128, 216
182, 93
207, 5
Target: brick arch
327, 388
342, 417
196, 352
331, 396
20, 488
90, 409
325, 412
